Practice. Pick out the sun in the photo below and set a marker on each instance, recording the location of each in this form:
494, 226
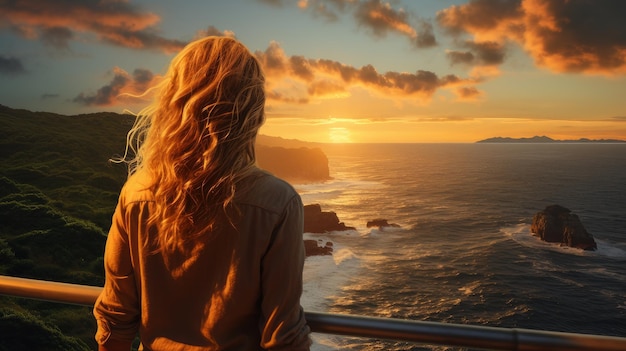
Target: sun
339, 135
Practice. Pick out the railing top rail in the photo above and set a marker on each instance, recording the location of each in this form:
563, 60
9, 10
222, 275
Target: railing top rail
490, 338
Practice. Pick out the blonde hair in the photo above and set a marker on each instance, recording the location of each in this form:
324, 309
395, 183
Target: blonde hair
197, 138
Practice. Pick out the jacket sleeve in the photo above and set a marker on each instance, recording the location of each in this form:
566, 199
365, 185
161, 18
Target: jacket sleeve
283, 326
117, 310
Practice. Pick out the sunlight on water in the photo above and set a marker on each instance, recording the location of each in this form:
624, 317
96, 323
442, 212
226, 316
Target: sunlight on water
463, 252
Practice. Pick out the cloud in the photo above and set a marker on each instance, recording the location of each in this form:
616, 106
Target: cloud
381, 18
468, 93
299, 79
461, 57
56, 23
487, 53
295, 80
122, 86
213, 31
57, 37
320, 9
444, 119
11, 66
482, 17
376, 16
484, 57
562, 36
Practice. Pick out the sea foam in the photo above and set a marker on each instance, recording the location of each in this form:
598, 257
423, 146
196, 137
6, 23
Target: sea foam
521, 234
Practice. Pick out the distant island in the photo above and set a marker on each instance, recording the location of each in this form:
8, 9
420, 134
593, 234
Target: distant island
545, 139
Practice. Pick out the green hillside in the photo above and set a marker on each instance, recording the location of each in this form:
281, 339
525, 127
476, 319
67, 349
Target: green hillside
57, 195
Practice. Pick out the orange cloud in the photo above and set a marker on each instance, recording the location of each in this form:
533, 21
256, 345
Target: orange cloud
294, 80
377, 16
380, 17
467, 93
299, 79
487, 20
58, 22
122, 86
563, 36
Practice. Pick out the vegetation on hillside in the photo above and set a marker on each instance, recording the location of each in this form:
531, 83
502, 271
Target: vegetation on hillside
58, 192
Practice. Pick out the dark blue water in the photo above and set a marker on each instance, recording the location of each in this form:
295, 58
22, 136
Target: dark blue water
464, 252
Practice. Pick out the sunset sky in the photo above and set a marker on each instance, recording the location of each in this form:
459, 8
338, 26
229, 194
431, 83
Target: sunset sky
342, 70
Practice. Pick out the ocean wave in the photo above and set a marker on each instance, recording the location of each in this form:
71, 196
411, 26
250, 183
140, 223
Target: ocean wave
607, 249
324, 276
377, 232
337, 186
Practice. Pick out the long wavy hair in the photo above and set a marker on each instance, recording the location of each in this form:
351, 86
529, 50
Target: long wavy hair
197, 138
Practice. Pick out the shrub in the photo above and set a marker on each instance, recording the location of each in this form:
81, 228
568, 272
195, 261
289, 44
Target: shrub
23, 331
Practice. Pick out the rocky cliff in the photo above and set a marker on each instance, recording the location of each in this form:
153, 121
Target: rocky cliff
294, 164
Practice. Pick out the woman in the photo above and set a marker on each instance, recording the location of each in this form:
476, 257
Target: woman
205, 250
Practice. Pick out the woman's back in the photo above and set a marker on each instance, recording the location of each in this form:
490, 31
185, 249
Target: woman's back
210, 299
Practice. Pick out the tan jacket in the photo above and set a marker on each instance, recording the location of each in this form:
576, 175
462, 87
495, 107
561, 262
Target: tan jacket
240, 290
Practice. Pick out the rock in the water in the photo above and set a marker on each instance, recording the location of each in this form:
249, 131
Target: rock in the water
316, 221
312, 248
381, 223
557, 224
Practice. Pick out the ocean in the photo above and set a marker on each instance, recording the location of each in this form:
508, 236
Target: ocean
463, 251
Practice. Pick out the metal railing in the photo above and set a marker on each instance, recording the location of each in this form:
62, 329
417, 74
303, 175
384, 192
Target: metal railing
430, 333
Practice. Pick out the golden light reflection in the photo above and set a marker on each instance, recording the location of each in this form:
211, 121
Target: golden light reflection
339, 135
437, 130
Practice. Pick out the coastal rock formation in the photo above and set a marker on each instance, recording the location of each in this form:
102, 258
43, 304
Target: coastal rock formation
317, 221
557, 224
294, 164
312, 248
381, 223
